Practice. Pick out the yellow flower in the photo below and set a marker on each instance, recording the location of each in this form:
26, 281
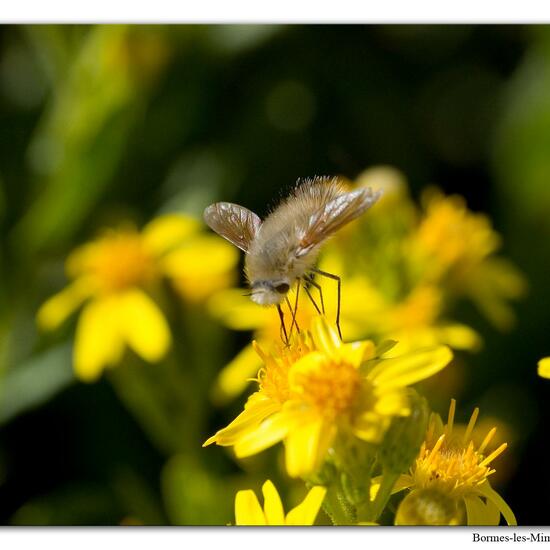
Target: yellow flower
319, 387
456, 247
402, 269
416, 261
398, 276
236, 311
544, 367
454, 235
116, 277
449, 480
249, 512
414, 323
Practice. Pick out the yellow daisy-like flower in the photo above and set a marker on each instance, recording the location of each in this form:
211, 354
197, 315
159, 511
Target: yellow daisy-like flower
456, 249
320, 387
449, 480
418, 260
453, 234
249, 512
235, 310
115, 277
414, 323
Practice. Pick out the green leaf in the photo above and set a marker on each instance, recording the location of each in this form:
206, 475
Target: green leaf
35, 382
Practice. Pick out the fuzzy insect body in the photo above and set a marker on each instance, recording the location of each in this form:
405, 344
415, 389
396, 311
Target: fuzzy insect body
284, 247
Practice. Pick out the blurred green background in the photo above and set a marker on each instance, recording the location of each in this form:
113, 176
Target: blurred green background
99, 123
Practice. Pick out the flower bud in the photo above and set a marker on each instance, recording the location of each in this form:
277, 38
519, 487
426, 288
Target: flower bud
430, 507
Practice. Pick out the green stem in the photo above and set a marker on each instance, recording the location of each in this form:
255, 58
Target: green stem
383, 495
340, 511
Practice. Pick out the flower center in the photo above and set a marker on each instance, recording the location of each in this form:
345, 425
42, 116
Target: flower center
450, 462
273, 377
454, 234
332, 389
453, 469
122, 262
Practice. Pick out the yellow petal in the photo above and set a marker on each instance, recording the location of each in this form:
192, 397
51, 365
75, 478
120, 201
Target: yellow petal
306, 512
411, 367
325, 337
57, 308
143, 326
235, 376
247, 509
370, 426
403, 482
393, 403
313, 362
238, 312
306, 446
355, 353
82, 258
166, 232
202, 266
203, 256
544, 367
270, 431
486, 490
273, 507
98, 342
492, 513
257, 408
459, 337
477, 512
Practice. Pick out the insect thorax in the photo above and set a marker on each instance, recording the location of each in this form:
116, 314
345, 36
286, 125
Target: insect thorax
277, 261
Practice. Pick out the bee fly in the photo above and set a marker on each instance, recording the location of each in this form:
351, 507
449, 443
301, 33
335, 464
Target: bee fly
282, 249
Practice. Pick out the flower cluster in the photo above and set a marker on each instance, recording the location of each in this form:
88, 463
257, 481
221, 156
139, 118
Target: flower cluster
403, 268
324, 398
347, 411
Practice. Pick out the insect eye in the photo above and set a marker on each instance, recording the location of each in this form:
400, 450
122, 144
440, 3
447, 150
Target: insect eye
282, 288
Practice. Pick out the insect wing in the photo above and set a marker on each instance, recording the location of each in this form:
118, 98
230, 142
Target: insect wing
233, 222
334, 215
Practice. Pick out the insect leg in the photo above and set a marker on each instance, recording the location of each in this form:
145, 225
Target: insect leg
339, 282
318, 287
294, 320
283, 328
312, 300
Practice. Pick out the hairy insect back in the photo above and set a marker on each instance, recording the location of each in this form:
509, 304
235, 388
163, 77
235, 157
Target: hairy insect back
274, 248
271, 256
292, 216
